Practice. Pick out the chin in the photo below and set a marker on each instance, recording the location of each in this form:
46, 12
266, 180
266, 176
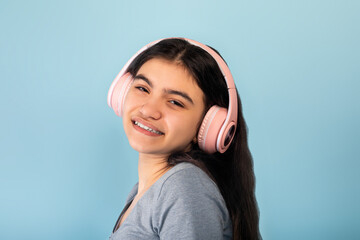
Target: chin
144, 148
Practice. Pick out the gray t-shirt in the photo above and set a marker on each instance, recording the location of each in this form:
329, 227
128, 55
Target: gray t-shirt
183, 204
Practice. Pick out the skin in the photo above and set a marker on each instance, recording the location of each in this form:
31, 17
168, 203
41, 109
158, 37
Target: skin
166, 98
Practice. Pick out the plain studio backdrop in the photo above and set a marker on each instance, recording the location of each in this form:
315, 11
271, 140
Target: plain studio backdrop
66, 166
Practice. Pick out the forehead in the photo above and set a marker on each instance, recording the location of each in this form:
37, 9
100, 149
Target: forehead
165, 67
170, 75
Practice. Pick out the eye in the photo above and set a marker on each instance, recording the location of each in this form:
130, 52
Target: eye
142, 89
176, 103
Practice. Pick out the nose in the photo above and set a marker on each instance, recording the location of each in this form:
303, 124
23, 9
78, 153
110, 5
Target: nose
151, 109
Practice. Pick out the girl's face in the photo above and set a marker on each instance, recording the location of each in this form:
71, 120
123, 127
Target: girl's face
163, 108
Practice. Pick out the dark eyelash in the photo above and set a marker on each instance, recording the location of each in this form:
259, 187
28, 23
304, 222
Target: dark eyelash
176, 103
142, 89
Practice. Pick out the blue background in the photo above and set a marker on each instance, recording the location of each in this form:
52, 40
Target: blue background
66, 166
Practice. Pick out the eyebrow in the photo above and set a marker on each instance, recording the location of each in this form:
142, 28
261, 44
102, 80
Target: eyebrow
142, 77
182, 94
167, 91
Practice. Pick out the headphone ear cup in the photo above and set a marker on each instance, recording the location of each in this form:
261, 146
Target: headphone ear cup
119, 93
210, 128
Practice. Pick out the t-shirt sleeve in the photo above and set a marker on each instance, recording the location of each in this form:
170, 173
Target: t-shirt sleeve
190, 206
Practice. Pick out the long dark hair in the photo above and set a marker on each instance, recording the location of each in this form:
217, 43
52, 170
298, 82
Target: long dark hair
233, 170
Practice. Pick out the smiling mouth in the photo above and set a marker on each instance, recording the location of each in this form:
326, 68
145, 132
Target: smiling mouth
147, 128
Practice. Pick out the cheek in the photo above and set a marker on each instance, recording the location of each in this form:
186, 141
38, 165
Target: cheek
128, 108
189, 125
130, 101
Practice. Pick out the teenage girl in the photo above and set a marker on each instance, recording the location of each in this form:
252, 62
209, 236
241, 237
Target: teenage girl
182, 113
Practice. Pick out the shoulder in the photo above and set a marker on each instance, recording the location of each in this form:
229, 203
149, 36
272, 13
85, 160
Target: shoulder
187, 178
190, 204
187, 188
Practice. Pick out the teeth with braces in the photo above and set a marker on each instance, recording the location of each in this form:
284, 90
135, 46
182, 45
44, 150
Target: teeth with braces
147, 128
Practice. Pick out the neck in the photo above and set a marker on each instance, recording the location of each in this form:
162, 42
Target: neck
150, 169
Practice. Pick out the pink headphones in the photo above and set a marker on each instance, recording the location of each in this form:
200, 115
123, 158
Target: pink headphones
218, 127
